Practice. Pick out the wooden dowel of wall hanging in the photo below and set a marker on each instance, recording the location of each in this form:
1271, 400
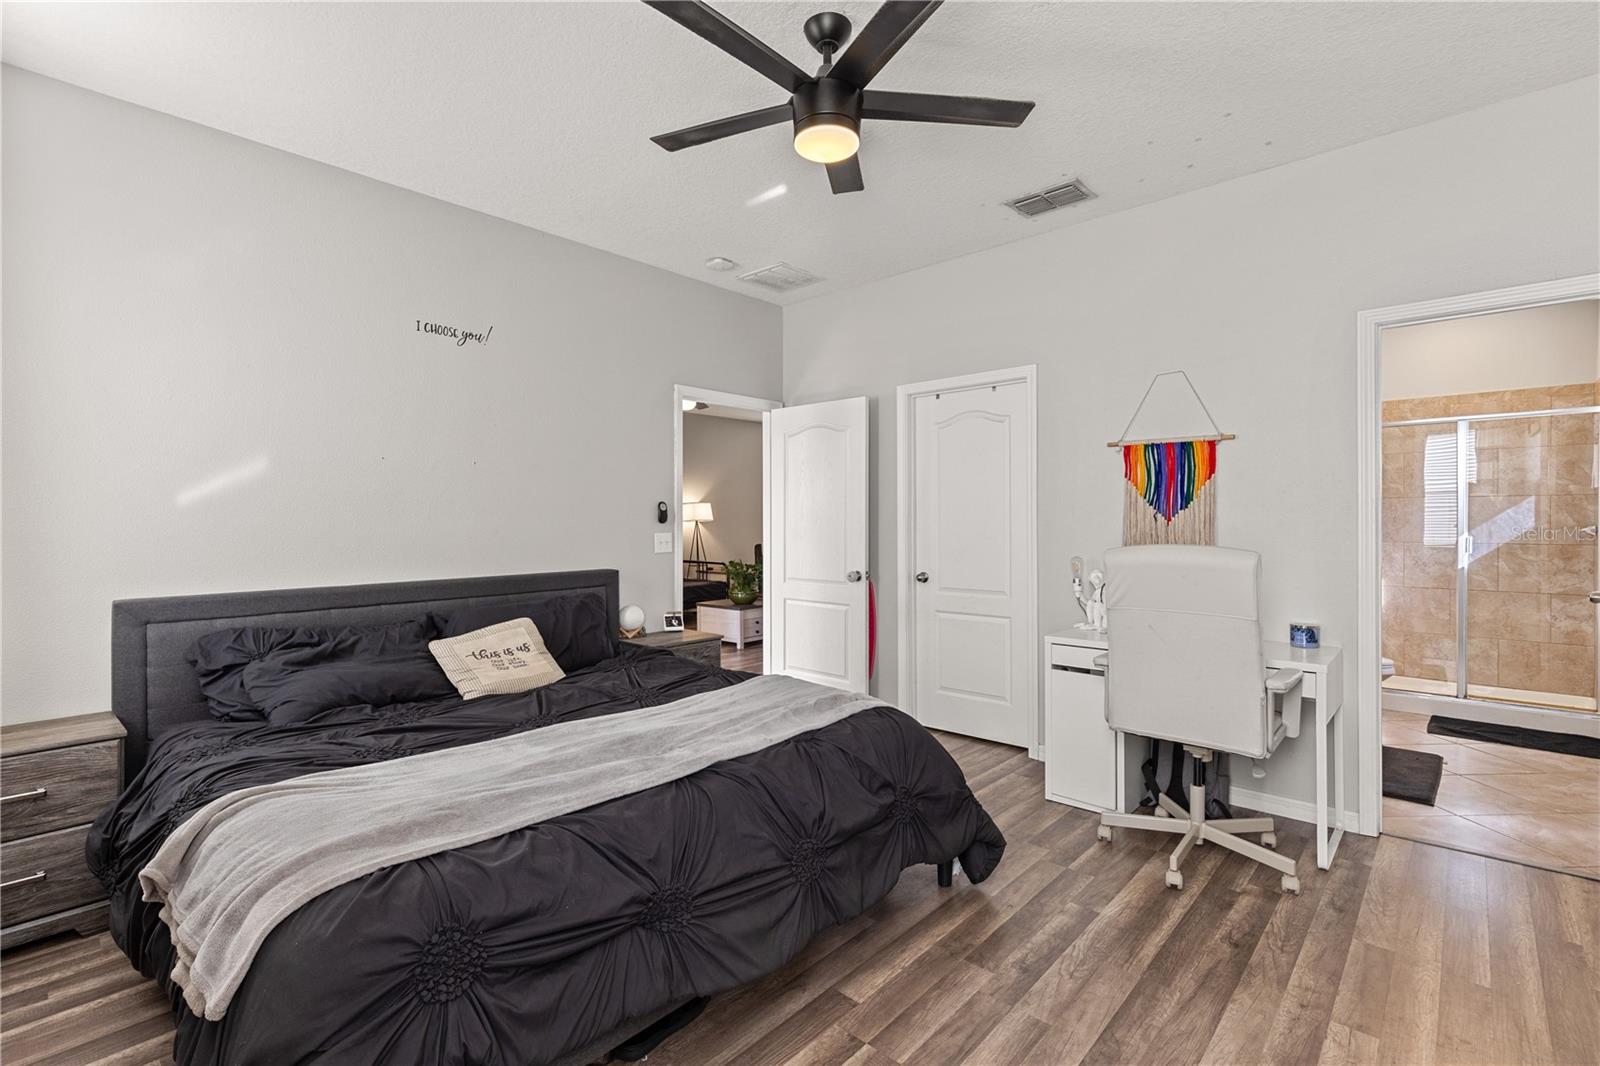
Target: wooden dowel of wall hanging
1165, 440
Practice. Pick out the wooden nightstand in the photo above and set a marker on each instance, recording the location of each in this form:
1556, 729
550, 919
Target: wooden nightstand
55, 777
701, 647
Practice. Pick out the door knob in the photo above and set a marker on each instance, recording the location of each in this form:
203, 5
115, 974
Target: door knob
854, 575
922, 577
1594, 597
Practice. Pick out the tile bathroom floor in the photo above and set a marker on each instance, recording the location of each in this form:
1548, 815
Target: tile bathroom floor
1541, 808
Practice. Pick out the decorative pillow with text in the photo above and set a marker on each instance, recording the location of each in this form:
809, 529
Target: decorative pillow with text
502, 658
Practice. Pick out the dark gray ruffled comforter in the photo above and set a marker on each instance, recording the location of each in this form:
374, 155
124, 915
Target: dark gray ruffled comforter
532, 944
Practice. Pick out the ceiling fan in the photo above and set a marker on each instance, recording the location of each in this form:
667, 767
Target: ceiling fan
827, 109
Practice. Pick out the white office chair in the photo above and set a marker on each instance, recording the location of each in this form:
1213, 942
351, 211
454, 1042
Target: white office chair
1184, 664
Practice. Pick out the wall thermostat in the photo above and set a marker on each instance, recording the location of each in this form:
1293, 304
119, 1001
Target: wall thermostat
662, 514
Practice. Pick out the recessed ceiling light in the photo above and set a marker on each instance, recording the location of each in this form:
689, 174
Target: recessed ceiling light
720, 264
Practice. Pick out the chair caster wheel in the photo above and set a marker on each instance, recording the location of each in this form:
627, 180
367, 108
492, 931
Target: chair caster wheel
1174, 879
1269, 840
1291, 884
1103, 833
1161, 812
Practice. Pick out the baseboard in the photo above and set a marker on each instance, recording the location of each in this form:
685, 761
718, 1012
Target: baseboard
1280, 807
1549, 719
1036, 753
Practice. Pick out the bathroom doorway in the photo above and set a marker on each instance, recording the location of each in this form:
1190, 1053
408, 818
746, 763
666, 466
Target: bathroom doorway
1488, 559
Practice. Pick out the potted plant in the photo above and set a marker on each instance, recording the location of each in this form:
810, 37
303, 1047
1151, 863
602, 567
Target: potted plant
744, 582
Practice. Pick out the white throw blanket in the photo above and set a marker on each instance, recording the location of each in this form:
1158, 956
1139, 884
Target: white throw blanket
249, 859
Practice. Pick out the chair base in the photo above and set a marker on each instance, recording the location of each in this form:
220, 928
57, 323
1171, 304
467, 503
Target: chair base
1195, 829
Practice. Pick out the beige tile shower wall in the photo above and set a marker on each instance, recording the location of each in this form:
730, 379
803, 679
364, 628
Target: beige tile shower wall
1531, 511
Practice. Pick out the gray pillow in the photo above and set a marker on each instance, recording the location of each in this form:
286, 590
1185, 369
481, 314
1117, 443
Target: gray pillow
220, 658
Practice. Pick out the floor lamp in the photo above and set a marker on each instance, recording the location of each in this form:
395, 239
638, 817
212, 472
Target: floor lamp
697, 513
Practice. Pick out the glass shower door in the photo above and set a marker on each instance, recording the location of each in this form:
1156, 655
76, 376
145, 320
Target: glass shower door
1530, 550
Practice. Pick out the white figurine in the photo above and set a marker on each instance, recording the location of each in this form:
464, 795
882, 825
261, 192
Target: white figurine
1094, 605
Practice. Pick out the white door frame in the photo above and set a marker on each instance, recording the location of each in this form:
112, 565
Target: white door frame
680, 394
1369, 443
905, 628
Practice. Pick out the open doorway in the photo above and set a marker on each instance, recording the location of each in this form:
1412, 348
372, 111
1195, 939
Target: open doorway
1489, 500
719, 542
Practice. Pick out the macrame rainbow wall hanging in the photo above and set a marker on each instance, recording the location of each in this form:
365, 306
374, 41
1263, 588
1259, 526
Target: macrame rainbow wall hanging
1166, 489
1169, 494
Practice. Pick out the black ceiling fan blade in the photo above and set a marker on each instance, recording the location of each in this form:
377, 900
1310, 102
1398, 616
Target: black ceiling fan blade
845, 176
724, 127
930, 107
727, 35
889, 28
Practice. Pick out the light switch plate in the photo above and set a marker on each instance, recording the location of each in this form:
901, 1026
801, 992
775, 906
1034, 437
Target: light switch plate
663, 543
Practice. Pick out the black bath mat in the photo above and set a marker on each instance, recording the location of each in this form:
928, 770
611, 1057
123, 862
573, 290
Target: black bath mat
1517, 737
1411, 775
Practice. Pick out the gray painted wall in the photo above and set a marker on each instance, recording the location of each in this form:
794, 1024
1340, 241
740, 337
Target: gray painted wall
213, 381
1251, 286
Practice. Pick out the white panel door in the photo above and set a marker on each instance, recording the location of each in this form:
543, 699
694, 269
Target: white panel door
971, 572
816, 553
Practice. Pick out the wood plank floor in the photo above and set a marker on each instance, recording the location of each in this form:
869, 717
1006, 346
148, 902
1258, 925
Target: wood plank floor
749, 659
1074, 952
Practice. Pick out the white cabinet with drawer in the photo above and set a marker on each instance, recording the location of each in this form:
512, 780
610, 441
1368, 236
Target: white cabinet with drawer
1086, 763
739, 624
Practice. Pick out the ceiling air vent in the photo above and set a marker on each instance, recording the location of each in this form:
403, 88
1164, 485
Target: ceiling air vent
1037, 203
780, 277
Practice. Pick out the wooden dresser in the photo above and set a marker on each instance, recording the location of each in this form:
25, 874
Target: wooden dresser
701, 647
55, 777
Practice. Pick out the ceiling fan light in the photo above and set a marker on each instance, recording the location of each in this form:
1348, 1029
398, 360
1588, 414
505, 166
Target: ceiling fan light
826, 139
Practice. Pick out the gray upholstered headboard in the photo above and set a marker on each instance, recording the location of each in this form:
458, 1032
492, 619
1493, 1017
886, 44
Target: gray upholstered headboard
153, 687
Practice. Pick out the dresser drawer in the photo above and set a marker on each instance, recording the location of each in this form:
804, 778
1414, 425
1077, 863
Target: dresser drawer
1074, 657
66, 880
47, 790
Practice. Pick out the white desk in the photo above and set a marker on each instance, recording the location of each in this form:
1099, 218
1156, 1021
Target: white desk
1088, 765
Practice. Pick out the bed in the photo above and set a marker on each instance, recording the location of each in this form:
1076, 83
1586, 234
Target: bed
538, 945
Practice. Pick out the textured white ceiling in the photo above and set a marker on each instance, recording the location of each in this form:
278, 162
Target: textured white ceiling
541, 113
